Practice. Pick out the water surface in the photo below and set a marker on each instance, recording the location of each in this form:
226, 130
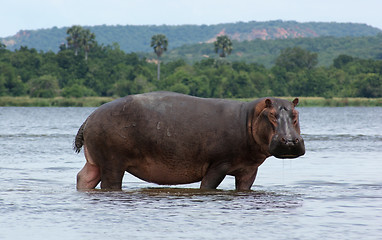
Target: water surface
333, 192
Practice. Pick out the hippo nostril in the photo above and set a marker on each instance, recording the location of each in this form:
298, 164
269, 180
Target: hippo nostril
284, 140
296, 141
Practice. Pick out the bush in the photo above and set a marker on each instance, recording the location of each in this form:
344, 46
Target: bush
77, 91
370, 85
45, 86
180, 88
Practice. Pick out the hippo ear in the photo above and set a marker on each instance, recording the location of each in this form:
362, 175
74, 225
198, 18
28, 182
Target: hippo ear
295, 102
268, 103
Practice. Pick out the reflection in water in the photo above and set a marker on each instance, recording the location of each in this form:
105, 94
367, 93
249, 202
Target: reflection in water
186, 198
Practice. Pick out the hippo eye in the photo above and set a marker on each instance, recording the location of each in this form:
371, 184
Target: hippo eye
295, 119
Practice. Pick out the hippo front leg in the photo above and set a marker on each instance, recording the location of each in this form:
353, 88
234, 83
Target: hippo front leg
245, 179
214, 176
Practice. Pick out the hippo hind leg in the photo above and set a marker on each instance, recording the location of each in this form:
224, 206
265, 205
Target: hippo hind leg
88, 177
99, 168
90, 174
111, 178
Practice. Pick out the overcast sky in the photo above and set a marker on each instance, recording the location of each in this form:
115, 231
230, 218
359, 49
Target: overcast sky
18, 15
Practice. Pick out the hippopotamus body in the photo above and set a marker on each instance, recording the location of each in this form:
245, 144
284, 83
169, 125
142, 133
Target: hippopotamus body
170, 138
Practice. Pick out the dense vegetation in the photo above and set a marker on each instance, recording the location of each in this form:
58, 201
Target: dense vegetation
109, 71
266, 52
137, 38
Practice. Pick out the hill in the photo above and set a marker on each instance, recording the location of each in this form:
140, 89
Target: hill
137, 38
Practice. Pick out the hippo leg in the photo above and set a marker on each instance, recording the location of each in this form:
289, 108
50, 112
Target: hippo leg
88, 177
214, 176
244, 180
90, 174
111, 178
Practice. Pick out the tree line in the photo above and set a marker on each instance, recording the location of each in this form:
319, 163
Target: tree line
99, 70
266, 51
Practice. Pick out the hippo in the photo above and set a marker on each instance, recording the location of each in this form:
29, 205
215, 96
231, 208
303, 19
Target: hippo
170, 138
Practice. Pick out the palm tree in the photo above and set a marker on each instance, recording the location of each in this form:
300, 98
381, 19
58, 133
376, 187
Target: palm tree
80, 38
87, 41
159, 42
74, 38
223, 46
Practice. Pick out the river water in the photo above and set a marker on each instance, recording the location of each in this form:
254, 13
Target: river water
333, 192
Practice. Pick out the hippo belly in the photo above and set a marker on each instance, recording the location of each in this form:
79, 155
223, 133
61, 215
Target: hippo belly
154, 170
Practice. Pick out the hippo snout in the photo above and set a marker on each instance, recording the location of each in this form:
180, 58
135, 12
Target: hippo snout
287, 147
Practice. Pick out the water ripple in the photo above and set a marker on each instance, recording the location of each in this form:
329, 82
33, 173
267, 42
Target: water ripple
342, 137
36, 135
333, 192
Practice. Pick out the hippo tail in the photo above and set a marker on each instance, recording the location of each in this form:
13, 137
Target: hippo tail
79, 140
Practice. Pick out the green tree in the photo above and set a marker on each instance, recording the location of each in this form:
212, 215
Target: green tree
45, 86
293, 59
244, 84
342, 60
369, 85
87, 41
3, 89
223, 46
80, 38
159, 42
11, 83
70, 67
76, 90
75, 38
180, 88
27, 62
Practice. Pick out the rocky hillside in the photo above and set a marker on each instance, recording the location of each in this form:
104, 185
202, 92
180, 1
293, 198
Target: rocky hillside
137, 38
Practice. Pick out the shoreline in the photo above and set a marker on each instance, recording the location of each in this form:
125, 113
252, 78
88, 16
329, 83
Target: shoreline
334, 102
26, 101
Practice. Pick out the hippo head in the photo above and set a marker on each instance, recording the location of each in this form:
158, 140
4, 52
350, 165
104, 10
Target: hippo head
276, 128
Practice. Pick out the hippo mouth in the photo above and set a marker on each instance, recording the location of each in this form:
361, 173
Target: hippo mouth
285, 156
287, 149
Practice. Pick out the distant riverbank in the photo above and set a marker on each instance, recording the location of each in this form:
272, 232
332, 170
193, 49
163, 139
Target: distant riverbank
53, 102
97, 101
337, 102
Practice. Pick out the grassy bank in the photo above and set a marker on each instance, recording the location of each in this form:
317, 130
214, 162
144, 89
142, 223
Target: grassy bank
340, 102
334, 102
97, 101
54, 102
